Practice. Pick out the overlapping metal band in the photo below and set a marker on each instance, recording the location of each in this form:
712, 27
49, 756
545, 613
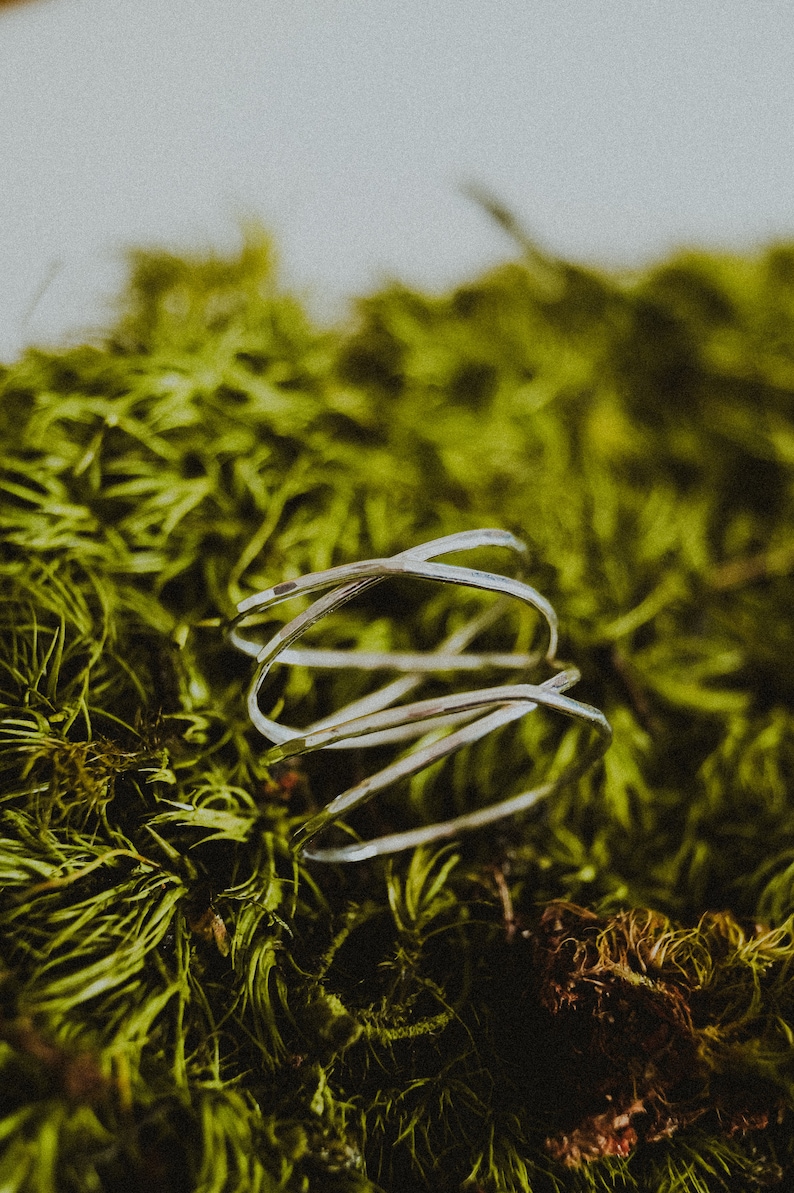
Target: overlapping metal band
466, 717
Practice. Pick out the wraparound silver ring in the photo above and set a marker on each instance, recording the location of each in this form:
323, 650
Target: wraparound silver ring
462, 718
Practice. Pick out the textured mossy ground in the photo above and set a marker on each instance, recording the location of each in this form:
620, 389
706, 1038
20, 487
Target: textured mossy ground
186, 1007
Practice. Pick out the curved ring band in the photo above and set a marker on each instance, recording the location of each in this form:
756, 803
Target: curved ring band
372, 721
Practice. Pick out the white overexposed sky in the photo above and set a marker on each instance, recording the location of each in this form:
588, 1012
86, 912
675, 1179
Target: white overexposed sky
615, 130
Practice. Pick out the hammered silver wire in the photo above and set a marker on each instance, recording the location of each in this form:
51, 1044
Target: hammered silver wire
370, 721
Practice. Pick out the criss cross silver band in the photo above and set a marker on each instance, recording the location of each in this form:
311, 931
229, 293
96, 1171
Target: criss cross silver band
372, 720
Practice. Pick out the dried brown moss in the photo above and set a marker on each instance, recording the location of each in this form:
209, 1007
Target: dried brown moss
636, 1018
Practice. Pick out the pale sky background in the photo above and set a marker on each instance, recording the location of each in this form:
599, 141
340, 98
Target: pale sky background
615, 130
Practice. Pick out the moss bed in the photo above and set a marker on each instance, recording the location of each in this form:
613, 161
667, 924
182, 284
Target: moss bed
595, 996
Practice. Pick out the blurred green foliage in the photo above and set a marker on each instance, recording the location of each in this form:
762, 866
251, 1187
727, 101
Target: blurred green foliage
186, 1007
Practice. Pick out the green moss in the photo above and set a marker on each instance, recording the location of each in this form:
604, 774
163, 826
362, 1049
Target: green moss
185, 1006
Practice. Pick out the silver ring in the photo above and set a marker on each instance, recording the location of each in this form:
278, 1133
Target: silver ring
371, 721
